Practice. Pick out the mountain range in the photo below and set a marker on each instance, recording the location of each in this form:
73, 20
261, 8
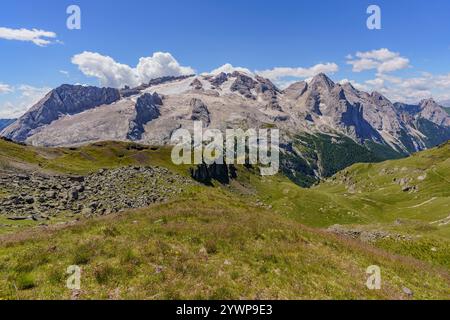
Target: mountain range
325, 126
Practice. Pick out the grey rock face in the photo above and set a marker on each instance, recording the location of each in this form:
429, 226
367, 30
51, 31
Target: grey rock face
373, 117
428, 118
296, 90
64, 100
200, 112
266, 87
128, 92
243, 84
147, 109
196, 84
218, 80
5, 123
435, 113
426, 109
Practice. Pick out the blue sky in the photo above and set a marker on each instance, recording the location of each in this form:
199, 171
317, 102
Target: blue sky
408, 59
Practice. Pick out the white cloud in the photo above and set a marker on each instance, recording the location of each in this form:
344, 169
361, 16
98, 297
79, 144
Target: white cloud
228, 68
27, 97
159, 65
114, 74
383, 60
380, 55
355, 84
5, 88
64, 72
278, 73
397, 63
413, 89
284, 76
38, 37
443, 81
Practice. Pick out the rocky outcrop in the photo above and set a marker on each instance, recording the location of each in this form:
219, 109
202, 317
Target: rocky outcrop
147, 109
128, 92
220, 172
200, 112
218, 80
40, 197
243, 84
267, 88
196, 84
64, 100
367, 235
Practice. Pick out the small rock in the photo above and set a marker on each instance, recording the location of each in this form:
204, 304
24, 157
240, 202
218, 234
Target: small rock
407, 291
73, 195
29, 200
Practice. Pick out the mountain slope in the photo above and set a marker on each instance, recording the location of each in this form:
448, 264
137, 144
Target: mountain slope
5, 122
65, 100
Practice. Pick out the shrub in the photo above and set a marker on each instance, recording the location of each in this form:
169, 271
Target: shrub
25, 281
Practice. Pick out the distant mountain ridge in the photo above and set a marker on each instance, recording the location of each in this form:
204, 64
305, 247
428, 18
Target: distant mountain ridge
313, 117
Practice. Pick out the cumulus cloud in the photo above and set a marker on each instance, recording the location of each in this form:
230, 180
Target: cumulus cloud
26, 97
279, 74
114, 74
383, 60
5, 88
412, 89
229, 68
355, 84
38, 37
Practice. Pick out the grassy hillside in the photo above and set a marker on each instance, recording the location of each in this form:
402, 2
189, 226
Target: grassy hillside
82, 160
243, 240
409, 197
201, 249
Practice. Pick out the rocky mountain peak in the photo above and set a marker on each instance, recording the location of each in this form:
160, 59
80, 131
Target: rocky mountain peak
380, 99
321, 80
430, 103
434, 112
296, 90
347, 86
64, 100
